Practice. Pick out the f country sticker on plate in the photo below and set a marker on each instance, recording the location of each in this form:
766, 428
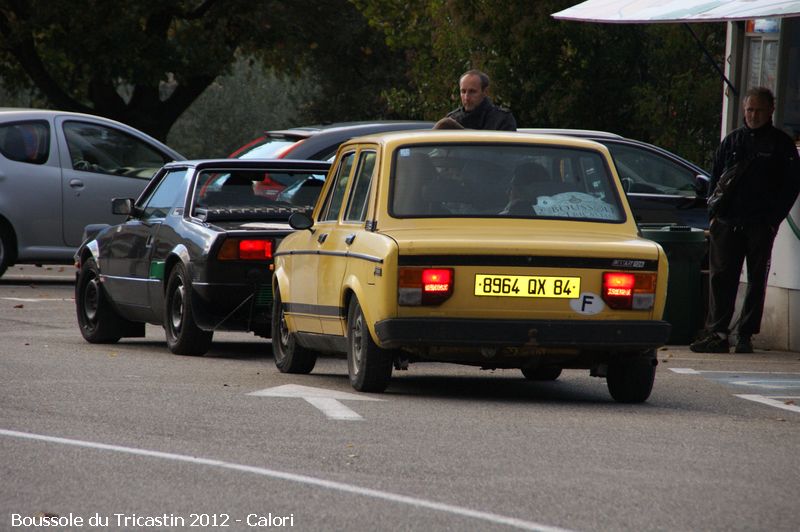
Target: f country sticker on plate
527, 286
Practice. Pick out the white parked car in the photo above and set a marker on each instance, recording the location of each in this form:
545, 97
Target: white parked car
58, 173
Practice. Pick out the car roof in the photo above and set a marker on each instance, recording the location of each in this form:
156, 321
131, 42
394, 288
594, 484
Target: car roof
19, 113
320, 141
276, 164
31, 113
325, 141
570, 132
605, 136
474, 135
376, 125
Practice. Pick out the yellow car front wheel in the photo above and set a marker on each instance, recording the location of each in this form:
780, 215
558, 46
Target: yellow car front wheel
289, 356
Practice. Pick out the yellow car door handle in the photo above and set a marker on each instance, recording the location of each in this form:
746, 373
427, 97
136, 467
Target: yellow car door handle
322, 237
349, 238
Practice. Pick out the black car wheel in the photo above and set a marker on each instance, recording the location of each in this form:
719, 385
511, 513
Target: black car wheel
369, 366
289, 356
5, 249
99, 323
542, 373
184, 337
631, 381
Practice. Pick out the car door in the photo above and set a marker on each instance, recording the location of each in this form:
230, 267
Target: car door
660, 189
100, 162
30, 195
305, 260
126, 255
347, 210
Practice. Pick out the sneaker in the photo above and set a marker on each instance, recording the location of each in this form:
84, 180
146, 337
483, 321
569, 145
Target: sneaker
744, 345
710, 344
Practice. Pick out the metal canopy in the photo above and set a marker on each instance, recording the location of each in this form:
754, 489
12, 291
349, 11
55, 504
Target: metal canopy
656, 11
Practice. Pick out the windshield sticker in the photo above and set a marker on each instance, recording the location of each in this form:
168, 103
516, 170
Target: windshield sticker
405, 152
575, 205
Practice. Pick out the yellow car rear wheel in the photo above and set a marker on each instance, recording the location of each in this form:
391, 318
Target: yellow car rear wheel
369, 366
631, 381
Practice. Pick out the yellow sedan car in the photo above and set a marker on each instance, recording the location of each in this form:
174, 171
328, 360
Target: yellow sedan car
498, 250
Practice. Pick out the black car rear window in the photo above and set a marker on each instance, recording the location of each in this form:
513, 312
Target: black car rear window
257, 193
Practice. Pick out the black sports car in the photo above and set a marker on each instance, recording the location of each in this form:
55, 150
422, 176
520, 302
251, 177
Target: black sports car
195, 254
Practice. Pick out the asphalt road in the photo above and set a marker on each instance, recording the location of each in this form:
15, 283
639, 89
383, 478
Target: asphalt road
131, 437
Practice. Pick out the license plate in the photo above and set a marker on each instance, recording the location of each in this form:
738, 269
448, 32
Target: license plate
527, 286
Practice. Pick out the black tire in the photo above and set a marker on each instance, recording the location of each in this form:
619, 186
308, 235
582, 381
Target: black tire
369, 366
98, 322
289, 356
631, 381
184, 337
5, 249
542, 373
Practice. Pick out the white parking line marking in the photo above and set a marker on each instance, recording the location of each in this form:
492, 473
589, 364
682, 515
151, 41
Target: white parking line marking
769, 384
302, 479
777, 401
772, 401
37, 299
690, 371
685, 371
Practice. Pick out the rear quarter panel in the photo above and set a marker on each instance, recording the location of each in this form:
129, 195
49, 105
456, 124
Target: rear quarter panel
371, 276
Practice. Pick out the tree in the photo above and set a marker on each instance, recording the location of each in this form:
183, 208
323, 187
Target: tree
144, 62
240, 106
647, 82
350, 62
83, 54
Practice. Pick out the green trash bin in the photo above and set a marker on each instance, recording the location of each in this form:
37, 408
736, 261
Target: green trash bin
685, 248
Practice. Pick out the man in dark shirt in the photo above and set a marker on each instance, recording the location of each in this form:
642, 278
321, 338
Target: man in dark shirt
477, 111
744, 225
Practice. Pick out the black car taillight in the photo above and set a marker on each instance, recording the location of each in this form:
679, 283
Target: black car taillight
424, 286
246, 249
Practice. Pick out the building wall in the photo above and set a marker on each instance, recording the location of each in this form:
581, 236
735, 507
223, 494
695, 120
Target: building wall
780, 327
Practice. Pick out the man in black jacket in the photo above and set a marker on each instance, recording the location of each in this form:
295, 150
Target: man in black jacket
477, 111
744, 225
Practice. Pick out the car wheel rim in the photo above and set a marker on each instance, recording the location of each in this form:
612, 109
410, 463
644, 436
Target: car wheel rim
91, 300
176, 309
358, 344
284, 331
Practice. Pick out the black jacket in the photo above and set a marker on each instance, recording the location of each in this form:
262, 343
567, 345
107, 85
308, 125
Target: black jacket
486, 116
769, 186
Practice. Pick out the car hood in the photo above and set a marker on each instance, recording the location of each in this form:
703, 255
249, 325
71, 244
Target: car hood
467, 240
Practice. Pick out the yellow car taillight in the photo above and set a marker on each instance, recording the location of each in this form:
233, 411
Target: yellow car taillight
632, 291
424, 286
246, 249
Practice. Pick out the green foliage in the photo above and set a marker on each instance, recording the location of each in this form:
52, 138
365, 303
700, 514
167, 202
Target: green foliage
649, 82
239, 107
351, 63
145, 62
165, 52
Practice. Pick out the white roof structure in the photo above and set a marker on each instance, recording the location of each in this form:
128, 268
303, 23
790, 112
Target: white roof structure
656, 11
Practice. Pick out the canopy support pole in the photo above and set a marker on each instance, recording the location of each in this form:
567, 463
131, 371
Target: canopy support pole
711, 59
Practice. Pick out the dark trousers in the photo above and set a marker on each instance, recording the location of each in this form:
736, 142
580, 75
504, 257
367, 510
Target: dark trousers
729, 247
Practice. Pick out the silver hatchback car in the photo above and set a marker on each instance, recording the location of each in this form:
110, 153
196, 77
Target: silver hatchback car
58, 173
